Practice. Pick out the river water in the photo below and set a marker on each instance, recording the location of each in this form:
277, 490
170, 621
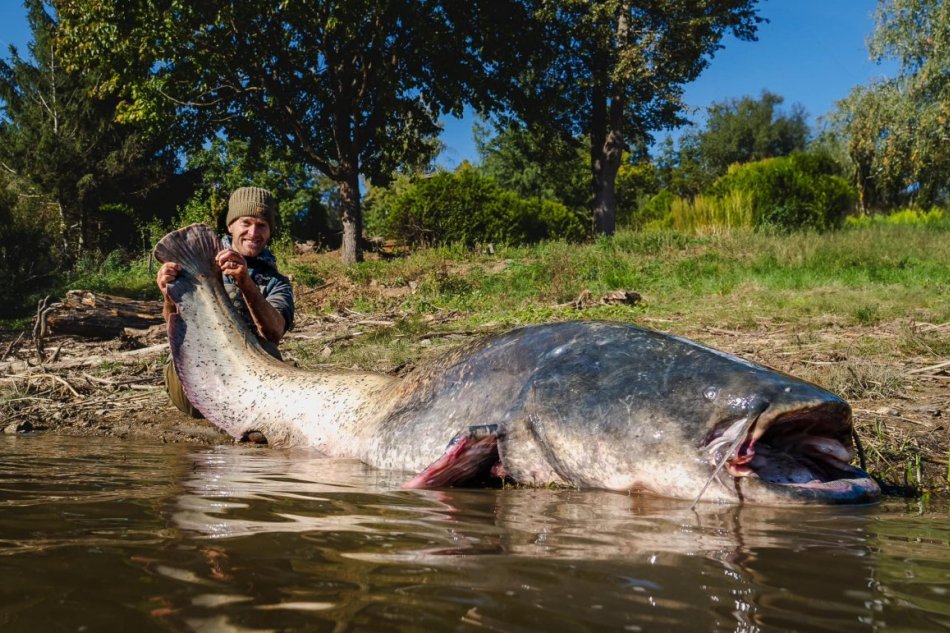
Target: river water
109, 535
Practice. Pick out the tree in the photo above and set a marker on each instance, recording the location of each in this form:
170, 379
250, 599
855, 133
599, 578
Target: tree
350, 87
898, 130
531, 164
59, 141
746, 130
612, 71
679, 168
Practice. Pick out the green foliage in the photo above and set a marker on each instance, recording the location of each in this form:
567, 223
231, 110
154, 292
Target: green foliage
533, 165
61, 143
904, 217
468, 208
747, 130
656, 211
350, 88
800, 191
116, 273
895, 131
614, 71
705, 214
636, 185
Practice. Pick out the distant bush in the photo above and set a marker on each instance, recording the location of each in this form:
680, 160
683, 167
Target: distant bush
636, 185
903, 217
800, 191
118, 273
467, 208
656, 211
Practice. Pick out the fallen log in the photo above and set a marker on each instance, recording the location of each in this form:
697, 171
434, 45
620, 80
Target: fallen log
93, 315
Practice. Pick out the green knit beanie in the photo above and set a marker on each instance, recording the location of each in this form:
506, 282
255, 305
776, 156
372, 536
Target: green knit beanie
252, 202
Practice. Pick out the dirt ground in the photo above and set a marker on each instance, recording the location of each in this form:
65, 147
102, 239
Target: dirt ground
901, 402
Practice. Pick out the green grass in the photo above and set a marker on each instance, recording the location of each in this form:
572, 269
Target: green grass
734, 278
859, 276
116, 274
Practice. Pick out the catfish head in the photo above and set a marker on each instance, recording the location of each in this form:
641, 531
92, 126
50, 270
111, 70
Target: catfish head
629, 409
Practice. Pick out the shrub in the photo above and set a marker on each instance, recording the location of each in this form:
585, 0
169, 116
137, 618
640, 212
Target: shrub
903, 217
800, 191
657, 211
636, 185
117, 272
468, 208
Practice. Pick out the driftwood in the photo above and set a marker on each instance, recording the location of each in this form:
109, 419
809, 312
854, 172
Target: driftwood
130, 356
92, 315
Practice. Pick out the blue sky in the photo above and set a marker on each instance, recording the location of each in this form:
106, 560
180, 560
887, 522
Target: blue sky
812, 52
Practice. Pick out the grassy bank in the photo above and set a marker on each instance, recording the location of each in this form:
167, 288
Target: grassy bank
731, 280
736, 278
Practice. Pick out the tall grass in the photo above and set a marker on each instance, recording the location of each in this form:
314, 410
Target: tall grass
935, 217
712, 214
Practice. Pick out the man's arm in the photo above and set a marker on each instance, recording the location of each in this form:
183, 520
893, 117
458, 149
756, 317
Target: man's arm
269, 321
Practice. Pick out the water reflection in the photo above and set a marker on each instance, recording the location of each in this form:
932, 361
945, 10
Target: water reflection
116, 535
515, 559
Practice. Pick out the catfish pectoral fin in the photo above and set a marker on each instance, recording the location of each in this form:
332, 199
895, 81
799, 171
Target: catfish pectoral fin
470, 455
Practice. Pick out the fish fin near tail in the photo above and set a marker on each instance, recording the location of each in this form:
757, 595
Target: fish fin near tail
193, 248
471, 456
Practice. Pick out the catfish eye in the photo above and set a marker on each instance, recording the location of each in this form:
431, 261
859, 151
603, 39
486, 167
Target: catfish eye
711, 393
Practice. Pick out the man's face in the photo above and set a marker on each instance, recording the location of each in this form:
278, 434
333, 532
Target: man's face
249, 236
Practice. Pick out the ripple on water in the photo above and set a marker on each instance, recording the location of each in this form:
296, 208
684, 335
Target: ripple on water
109, 534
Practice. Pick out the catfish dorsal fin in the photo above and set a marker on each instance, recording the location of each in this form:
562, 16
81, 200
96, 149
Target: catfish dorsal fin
192, 247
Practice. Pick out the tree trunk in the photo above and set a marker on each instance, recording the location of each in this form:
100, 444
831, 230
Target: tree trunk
606, 153
606, 163
351, 217
606, 137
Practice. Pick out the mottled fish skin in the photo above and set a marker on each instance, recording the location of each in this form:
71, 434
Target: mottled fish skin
585, 404
594, 405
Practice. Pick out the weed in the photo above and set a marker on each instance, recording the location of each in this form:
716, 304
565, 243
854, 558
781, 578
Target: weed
913, 471
866, 315
306, 276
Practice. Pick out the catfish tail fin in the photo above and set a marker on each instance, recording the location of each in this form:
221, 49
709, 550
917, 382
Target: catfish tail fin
193, 248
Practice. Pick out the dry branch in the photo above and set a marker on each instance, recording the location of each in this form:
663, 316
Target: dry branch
134, 355
931, 369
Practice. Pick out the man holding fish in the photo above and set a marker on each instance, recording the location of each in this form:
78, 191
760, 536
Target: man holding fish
259, 293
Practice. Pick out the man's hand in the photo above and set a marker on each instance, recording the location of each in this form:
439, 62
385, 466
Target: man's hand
233, 264
270, 323
166, 274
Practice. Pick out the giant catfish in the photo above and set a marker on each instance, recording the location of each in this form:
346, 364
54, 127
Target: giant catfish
583, 404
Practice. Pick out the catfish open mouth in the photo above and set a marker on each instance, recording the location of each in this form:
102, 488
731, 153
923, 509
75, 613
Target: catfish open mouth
800, 453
